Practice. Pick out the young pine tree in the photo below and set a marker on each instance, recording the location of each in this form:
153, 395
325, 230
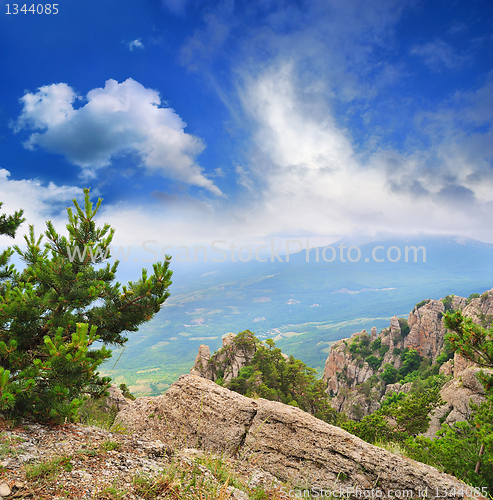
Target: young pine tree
58, 314
8, 226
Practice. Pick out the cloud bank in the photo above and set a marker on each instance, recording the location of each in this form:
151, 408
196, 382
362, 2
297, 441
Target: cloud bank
335, 147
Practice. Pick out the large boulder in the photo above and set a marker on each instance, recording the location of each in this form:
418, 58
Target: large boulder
292, 445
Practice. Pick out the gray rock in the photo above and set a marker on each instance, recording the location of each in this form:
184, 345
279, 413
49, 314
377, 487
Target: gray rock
236, 494
457, 395
115, 399
282, 440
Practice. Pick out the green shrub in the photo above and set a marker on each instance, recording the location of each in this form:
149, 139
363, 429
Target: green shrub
422, 303
447, 302
374, 362
126, 392
389, 375
375, 345
404, 327
411, 362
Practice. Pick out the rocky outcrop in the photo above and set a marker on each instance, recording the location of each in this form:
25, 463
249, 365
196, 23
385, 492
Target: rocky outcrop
280, 439
427, 331
92, 459
348, 375
201, 367
481, 309
237, 351
457, 395
115, 399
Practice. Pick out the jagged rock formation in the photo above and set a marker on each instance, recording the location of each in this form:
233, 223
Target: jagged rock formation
427, 331
481, 309
350, 379
228, 361
280, 439
200, 368
225, 363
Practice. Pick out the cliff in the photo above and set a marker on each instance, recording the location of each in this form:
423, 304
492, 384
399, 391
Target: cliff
358, 371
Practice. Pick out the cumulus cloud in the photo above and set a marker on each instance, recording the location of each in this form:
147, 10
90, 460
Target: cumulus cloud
121, 118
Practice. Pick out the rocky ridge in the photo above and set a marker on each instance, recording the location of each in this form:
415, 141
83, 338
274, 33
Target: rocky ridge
355, 384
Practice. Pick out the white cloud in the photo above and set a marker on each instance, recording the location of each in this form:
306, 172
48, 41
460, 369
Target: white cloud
244, 178
135, 44
39, 201
311, 181
120, 118
294, 73
51, 106
303, 175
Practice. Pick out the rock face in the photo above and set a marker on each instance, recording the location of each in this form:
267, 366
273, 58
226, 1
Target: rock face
427, 331
349, 377
457, 394
282, 440
481, 309
200, 368
226, 363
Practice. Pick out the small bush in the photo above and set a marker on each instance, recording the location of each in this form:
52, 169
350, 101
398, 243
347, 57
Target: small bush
374, 362
48, 469
126, 392
95, 412
447, 302
404, 327
422, 303
376, 344
389, 375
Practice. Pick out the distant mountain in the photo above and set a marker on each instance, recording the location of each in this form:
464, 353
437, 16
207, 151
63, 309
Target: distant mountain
304, 306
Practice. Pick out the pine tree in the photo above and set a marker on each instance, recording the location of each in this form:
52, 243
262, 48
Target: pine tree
8, 226
60, 312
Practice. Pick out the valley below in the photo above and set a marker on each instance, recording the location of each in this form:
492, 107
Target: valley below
303, 306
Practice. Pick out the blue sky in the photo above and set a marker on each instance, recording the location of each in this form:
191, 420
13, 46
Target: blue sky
243, 121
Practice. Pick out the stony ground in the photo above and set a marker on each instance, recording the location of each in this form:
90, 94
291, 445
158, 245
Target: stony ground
82, 462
